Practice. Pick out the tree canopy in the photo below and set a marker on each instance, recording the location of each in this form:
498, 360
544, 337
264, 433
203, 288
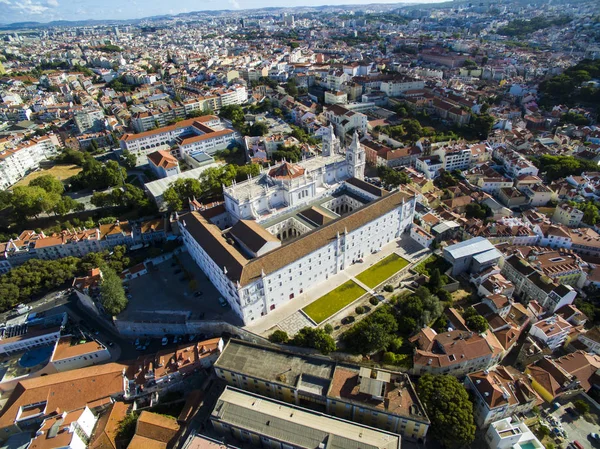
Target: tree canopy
448, 406
112, 294
557, 167
315, 338
373, 333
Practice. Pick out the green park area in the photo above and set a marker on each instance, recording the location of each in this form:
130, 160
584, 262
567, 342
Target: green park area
382, 270
333, 301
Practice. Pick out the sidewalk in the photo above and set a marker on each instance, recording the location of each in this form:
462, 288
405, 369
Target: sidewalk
405, 247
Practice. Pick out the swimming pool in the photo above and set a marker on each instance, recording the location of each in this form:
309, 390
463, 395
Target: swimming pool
36, 356
528, 445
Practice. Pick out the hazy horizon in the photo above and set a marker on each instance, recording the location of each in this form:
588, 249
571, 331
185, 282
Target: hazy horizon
51, 10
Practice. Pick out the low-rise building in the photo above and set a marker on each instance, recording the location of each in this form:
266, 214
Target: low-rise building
500, 393
378, 398
163, 164
266, 422
506, 434
65, 430
473, 255
69, 354
456, 352
567, 215
552, 331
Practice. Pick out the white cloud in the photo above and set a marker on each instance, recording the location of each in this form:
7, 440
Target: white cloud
235, 4
28, 6
52, 3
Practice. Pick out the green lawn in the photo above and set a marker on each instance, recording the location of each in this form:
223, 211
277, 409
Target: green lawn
334, 301
379, 272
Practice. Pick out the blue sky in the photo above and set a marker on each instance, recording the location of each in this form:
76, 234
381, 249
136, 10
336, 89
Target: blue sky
48, 10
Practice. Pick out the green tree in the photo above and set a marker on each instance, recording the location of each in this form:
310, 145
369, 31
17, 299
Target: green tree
181, 191
112, 294
65, 205
477, 323
448, 406
279, 336
372, 334
435, 280
30, 201
314, 338
581, 406
258, 129
129, 159
49, 183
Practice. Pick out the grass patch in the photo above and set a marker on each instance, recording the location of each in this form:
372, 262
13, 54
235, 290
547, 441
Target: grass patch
430, 264
382, 270
61, 172
334, 301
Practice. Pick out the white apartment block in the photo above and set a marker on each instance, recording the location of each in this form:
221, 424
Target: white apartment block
505, 434
294, 226
16, 162
396, 88
202, 134
89, 121
430, 166
454, 159
552, 331
344, 120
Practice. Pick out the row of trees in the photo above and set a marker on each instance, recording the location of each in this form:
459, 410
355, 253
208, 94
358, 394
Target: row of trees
392, 177
128, 196
209, 186
308, 337
37, 277
557, 167
44, 194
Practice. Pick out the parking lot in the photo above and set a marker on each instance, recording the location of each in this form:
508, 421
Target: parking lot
576, 426
166, 289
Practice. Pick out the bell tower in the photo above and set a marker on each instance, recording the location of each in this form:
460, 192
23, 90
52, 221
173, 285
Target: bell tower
355, 158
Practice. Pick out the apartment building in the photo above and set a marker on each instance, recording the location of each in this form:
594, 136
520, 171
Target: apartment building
263, 422
430, 166
591, 340
67, 430
456, 352
396, 88
500, 393
567, 215
551, 332
344, 120
377, 398
89, 121
532, 284
16, 162
201, 134
552, 378
506, 434
36, 399
514, 163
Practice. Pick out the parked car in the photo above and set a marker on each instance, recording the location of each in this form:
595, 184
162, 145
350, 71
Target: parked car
571, 411
594, 436
164, 341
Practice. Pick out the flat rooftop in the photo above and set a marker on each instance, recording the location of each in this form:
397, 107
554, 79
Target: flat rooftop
273, 365
297, 426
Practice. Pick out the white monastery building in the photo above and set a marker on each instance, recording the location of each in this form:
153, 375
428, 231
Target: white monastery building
293, 226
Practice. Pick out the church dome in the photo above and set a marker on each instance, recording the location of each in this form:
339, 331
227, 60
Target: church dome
286, 171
